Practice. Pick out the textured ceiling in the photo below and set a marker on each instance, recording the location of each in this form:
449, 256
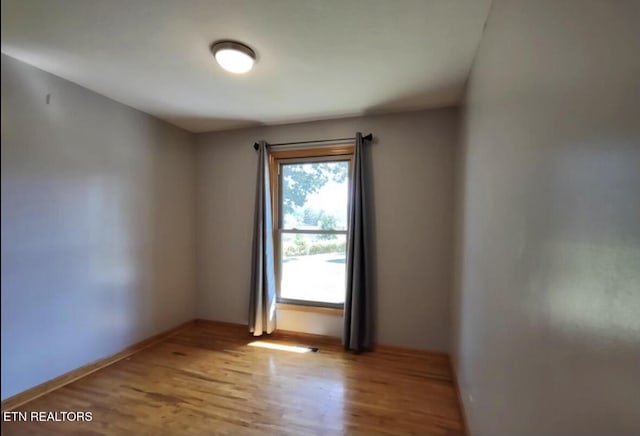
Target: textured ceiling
316, 59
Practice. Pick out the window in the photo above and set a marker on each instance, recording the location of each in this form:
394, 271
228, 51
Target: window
311, 199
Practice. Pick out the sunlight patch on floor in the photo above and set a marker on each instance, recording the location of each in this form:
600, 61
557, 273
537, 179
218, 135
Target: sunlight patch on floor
281, 347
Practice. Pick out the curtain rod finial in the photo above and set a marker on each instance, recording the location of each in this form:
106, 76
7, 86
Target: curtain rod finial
369, 137
256, 145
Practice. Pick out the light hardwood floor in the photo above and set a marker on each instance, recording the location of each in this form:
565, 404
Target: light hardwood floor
207, 380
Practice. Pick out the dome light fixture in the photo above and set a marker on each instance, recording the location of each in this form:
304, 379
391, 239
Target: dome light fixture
233, 56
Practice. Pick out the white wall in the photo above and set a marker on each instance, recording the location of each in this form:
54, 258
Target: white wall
412, 167
97, 226
547, 311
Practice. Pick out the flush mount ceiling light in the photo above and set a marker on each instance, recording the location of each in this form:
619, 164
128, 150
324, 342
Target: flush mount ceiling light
233, 56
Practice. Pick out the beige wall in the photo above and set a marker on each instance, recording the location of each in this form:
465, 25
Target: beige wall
411, 161
97, 226
547, 308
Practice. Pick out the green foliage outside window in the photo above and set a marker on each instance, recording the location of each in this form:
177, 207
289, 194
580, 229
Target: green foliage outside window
299, 181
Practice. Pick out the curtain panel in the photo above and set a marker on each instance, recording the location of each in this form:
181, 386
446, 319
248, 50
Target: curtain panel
262, 303
358, 322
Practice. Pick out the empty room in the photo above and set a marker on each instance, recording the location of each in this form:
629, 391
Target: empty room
320, 217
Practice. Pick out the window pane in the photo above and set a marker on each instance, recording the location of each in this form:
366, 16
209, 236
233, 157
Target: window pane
313, 267
314, 195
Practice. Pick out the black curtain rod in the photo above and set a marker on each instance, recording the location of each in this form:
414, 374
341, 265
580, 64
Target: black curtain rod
368, 137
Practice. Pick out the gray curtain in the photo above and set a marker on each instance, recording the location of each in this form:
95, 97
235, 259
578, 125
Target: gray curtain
358, 300
262, 306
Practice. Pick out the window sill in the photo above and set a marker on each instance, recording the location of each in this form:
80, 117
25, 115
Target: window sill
315, 309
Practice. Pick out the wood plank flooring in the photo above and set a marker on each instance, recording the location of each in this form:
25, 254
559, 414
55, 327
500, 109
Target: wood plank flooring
207, 380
